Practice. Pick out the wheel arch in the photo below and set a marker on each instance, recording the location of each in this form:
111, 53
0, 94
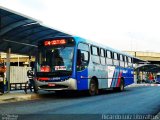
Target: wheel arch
96, 80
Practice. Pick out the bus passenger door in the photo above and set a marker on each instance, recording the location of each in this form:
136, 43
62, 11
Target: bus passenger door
82, 69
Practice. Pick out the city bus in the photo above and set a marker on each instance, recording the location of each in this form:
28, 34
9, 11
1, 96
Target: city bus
74, 63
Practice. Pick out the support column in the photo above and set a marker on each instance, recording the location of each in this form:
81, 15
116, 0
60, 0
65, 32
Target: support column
18, 60
29, 60
8, 67
0, 56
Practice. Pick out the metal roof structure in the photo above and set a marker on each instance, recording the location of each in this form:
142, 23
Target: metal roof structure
148, 68
21, 33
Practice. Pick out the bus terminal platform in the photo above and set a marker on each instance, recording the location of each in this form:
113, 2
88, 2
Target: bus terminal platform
15, 96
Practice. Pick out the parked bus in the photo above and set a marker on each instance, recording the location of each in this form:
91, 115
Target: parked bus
73, 63
158, 78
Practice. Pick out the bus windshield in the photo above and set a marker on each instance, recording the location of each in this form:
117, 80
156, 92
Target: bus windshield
55, 59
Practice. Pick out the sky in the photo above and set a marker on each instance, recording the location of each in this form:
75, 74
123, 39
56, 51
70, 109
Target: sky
120, 24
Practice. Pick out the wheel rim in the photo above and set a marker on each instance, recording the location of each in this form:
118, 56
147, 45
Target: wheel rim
122, 86
93, 88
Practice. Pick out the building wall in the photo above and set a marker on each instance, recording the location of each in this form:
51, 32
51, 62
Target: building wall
18, 74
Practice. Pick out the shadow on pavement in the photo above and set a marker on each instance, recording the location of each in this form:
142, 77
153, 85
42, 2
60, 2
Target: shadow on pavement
77, 94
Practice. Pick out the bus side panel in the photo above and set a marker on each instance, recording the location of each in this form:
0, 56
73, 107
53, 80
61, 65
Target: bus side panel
126, 73
118, 74
98, 71
129, 77
115, 77
82, 80
111, 72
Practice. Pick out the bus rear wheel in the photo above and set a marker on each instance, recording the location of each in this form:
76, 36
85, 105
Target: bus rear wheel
121, 87
93, 87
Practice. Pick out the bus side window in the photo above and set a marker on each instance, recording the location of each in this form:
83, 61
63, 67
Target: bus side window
116, 61
121, 60
102, 57
130, 61
82, 56
79, 61
109, 57
126, 61
95, 54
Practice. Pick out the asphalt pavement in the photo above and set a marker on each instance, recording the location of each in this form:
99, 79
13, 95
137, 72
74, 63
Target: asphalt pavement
133, 101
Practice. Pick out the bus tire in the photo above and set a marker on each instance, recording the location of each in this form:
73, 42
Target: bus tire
93, 87
121, 87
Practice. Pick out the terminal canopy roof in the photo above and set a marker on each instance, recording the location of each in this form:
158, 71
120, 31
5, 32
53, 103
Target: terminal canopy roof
138, 60
149, 68
21, 33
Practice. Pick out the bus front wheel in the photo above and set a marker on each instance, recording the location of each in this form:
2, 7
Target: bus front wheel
93, 87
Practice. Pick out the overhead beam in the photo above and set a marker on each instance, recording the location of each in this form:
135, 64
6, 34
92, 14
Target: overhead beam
20, 59
21, 43
20, 30
14, 25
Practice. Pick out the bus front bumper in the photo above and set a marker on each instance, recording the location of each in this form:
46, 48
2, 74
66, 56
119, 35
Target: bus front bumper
70, 84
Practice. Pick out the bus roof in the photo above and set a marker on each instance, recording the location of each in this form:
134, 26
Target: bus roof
79, 39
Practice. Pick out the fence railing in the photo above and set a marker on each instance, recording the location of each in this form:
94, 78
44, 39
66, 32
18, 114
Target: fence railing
18, 86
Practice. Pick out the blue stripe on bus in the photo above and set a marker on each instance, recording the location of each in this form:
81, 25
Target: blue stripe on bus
115, 77
74, 64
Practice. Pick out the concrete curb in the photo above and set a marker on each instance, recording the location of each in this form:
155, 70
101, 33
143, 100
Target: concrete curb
139, 85
17, 97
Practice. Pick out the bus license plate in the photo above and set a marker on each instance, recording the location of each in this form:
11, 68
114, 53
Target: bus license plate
51, 84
